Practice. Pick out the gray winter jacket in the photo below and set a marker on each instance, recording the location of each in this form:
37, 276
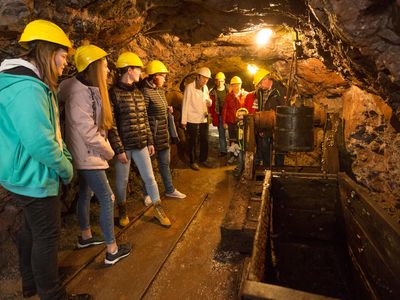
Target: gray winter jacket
87, 143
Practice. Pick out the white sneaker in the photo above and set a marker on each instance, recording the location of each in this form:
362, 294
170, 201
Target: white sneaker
176, 194
147, 200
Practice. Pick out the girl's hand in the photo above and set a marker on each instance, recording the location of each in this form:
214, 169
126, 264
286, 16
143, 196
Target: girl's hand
152, 151
122, 158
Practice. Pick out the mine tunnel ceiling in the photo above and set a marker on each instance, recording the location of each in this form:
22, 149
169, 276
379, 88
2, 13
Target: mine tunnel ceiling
348, 42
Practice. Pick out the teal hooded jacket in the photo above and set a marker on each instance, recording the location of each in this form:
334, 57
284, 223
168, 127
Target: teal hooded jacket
31, 160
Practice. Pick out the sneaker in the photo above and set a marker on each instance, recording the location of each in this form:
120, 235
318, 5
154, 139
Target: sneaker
176, 194
160, 215
147, 200
94, 240
123, 251
194, 166
79, 297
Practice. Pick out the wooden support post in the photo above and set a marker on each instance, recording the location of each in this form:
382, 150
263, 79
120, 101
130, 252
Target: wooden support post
250, 148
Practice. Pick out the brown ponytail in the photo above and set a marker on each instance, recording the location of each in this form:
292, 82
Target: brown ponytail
95, 74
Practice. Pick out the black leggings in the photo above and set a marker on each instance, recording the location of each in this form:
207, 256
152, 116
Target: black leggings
197, 133
38, 246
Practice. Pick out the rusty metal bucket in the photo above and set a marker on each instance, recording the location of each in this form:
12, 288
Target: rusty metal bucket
264, 120
294, 129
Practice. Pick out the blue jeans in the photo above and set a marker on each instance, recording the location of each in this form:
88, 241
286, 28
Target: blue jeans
142, 161
38, 245
164, 160
221, 135
96, 181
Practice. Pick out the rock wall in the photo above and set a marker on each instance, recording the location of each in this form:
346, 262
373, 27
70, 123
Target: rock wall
374, 145
10, 220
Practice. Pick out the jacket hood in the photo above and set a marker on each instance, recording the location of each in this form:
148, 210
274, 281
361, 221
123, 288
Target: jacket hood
8, 64
8, 80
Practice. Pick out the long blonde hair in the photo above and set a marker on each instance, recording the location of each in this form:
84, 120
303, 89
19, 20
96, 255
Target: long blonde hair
43, 53
94, 74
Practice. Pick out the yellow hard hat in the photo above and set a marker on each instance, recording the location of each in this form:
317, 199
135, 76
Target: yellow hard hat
259, 75
129, 59
220, 76
242, 111
85, 55
156, 66
204, 71
236, 80
44, 31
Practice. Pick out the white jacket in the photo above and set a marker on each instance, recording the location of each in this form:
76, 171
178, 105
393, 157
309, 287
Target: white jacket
194, 104
87, 143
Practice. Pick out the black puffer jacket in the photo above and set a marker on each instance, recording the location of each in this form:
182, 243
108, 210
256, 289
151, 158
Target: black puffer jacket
131, 128
157, 111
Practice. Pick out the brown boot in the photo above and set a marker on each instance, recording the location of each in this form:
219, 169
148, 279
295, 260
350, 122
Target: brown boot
123, 216
160, 215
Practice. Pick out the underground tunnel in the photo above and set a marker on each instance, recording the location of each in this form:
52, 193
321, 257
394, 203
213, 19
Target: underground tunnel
333, 206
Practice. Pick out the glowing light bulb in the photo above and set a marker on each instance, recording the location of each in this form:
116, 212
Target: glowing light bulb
263, 36
252, 68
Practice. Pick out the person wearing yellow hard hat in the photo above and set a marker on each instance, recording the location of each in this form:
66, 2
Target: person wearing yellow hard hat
269, 94
160, 116
34, 159
233, 101
131, 138
195, 103
88, 118
217, 95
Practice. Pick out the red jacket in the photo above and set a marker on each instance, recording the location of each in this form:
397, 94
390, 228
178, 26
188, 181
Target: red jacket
231, 105
248, 102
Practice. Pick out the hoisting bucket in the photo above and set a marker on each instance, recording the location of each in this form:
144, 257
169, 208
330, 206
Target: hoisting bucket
294, 129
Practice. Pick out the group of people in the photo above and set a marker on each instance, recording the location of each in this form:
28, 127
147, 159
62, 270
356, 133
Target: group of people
230, 103
127, 121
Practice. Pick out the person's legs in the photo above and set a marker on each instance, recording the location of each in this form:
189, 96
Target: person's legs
164, 160
98, 183
203, 140
266, 151
83, 205
122, 178
24, 245
240, 163
233, 132
221, 136
42, 217
142, 161
192, 132
279, 159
